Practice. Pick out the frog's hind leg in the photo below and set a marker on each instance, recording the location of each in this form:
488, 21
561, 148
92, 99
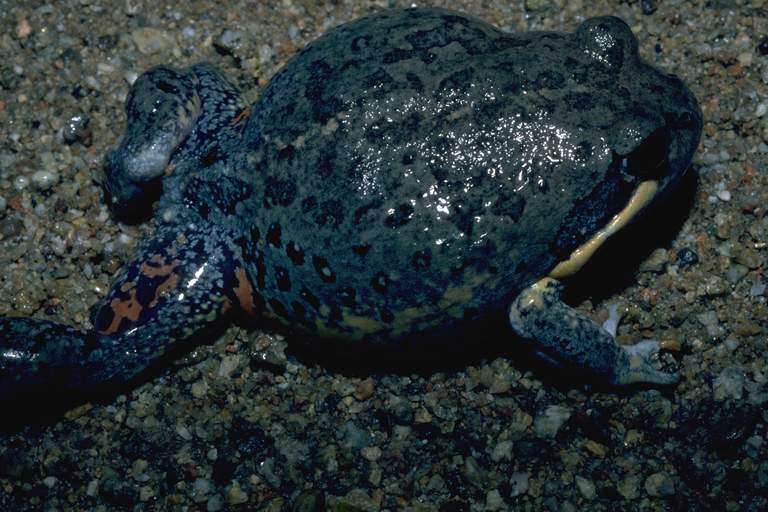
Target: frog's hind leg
173, 116
567, 339
175, 294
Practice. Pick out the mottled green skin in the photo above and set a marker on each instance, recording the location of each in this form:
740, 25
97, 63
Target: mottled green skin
436, 166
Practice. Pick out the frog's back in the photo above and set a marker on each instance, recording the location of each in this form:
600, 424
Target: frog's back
410, 182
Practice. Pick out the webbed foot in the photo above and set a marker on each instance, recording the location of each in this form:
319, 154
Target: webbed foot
567, 339
639, 368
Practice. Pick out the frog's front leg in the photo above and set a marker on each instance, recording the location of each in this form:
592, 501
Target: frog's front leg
183, 283
173, 116
565, 338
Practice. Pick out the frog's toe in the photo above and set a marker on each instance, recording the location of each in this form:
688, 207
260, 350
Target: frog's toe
637, 366
611, 324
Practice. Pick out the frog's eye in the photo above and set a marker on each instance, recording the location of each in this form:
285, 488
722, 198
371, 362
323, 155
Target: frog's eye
649, 159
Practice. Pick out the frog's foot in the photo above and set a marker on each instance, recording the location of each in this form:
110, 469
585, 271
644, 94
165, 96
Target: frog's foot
172, 115
640, 369
567, 339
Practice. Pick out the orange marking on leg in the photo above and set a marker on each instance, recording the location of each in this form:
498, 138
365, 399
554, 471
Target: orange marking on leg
169, 169
123, 308
164, 288
163, 268
245, 113
244, 292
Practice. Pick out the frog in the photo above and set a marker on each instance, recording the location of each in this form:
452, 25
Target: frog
404, 177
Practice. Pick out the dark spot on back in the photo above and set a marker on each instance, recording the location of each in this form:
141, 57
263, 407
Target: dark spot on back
414, 81
279, 192
347, 296
362, 210
334, 314
549, 79
361, 250
331, 213
261, 270
278, 308
273, 235
210, 157
380, 282
508, 204
584, 151
299, 309
309, 297
396, 55
386, 315
295, 253
308, 204
458, 80
167, 87
421, 259
323, 269
286, 153
580, 101
400, 217
283, 281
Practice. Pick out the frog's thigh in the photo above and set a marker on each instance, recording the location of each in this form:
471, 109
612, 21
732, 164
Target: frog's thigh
566, 338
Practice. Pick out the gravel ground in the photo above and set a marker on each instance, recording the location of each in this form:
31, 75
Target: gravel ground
239, 424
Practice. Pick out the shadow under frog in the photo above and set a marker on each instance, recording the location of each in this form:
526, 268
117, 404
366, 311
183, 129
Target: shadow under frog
404, 179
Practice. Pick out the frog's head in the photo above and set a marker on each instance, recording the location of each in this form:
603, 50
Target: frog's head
657, 121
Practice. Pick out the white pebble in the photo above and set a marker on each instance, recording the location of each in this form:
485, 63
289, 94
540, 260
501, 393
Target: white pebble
724, 195
44, 179
761, 109
3, 204
124, 239
21, 182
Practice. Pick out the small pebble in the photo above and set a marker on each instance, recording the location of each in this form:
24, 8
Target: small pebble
550, 421
371, 453
502, 451
146, 493
44, 179
729, 383
659, 484
202, 486
151, 40
686, 257
20, 182
518, 484
235, 495
77, 129
586, 487
762, 47
494, 501
648, 6
629, 487
49, 481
